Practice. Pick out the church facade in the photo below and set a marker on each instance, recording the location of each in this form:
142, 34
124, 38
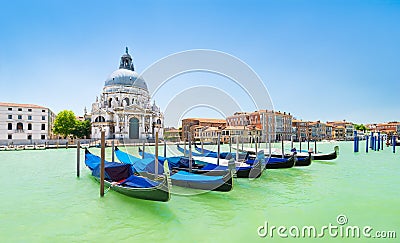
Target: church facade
124, 110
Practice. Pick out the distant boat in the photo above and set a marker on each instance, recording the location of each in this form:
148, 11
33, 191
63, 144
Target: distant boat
3, 148
99, 145
314, 156
10, 148
40, 146
20, 147
271, 163
29, 147
120, 178
84, 145
180, 178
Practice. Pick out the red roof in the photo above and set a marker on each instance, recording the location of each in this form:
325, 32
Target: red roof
21, 105
210, 120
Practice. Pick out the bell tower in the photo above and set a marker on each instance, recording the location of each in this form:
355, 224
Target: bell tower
126, 61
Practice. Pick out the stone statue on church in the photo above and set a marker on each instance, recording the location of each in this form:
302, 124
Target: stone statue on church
114, 104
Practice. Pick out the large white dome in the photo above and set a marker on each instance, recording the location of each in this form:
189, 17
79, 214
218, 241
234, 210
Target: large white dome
125, 77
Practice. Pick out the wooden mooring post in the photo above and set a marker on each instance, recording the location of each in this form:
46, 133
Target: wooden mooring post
102, 156
143, 146
112, 151
156, 156
78, 158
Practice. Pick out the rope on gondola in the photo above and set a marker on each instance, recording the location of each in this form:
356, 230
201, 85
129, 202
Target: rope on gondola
105, 192
114, 184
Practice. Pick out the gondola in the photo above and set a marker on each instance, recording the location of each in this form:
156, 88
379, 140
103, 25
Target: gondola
243, 170
146, 166
303, 161
329, 156
314, 156
271, 163
120, 178
279, 163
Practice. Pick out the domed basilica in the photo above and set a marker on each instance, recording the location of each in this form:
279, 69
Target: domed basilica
124, 110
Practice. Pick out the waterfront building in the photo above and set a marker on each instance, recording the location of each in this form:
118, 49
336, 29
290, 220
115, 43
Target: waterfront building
264, 124
328, 131
208, 134
388, 127
371, 127
275, 124
25, 123
339, 133
172, 134
348, 128
300, 130
199, 124
238, 119
317, 130
124, 109
241, 133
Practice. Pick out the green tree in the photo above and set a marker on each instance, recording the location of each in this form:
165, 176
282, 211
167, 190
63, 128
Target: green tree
360, 127
64, 124
82, 129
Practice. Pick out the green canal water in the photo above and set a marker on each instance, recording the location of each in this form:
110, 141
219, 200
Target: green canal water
41, 200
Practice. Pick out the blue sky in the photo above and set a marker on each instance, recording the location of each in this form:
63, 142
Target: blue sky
327, 60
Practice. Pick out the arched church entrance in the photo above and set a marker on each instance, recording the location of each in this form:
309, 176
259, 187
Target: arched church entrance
133, 128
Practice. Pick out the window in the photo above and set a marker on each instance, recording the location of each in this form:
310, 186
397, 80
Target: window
43, 118
30, 110
29, 137
43, 110
127, 101
9, 116
30, 118
43, 137
20, 126
19, 117
29, 126
9, 108
100, 119
9, 126
19, 109
43, 126
9, 136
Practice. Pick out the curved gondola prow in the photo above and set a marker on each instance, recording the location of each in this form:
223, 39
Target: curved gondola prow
228, 183
304, 161
294, 157
258, 167
232, 167
167, 178
336, 148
